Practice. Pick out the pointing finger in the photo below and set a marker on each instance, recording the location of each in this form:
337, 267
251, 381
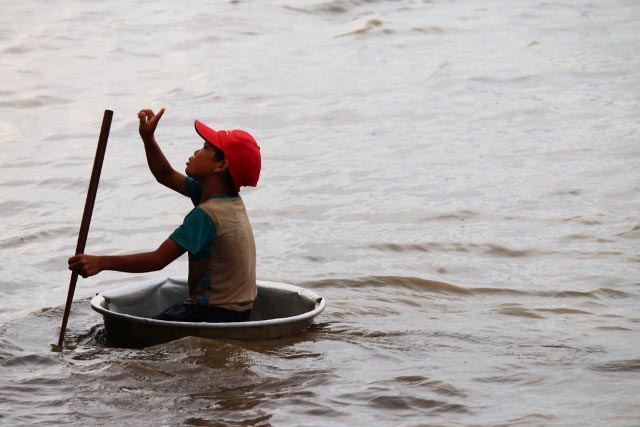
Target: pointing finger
157, 117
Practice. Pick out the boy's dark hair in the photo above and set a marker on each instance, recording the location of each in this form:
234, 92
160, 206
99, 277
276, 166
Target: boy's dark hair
219, 155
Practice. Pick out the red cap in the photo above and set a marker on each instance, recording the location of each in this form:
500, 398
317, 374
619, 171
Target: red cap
241, 151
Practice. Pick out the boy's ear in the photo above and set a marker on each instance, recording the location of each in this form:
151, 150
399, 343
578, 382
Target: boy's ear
222, 166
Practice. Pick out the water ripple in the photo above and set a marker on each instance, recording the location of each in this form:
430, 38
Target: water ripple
34, 101
629, 365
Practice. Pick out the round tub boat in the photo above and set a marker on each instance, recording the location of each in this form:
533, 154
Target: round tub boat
279, 310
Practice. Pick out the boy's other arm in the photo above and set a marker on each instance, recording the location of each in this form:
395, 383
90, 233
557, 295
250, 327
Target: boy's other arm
89, 265
158, 163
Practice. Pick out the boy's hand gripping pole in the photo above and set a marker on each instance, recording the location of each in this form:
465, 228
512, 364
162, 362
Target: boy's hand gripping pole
86, 216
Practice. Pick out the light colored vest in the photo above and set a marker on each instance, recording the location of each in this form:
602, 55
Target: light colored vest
227, 278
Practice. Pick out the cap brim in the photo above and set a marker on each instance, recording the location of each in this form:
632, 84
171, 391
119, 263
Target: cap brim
208, 134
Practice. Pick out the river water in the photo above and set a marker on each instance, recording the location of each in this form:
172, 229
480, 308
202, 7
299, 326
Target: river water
459, 179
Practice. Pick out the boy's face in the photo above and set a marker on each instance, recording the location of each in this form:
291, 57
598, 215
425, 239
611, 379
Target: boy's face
203, 162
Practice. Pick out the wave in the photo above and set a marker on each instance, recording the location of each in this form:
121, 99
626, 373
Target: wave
434, 286
517, 310
37, 236
367, 26
630, 365
491, 249
34, 101
399, 402
634, 233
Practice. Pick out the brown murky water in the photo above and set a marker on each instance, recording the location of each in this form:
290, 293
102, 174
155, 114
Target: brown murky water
459, 180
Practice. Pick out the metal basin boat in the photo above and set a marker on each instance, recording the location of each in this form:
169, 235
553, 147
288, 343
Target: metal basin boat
280, 309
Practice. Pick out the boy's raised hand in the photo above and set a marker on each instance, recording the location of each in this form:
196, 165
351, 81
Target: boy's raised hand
148, 123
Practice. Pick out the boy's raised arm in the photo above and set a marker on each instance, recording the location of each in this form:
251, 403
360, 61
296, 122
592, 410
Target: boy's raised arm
158, 163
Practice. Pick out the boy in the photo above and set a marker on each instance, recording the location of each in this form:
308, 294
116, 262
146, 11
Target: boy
216, 233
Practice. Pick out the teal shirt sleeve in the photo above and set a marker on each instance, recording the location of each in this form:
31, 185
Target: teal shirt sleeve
194, 190
196, 233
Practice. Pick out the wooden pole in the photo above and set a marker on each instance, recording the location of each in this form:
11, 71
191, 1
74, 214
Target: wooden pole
86, 216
